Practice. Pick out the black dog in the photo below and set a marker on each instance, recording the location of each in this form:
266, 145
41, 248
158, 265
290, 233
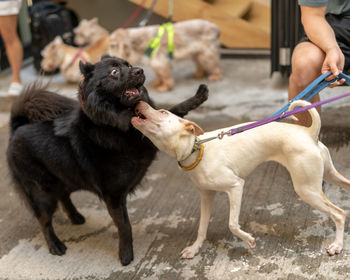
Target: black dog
58, 146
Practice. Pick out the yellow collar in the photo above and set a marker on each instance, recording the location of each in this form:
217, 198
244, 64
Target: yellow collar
192, 166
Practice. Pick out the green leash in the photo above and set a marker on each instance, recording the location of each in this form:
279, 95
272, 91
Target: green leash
154, 44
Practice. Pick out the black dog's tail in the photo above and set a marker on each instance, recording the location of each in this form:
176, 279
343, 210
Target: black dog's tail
36, 104
183, 108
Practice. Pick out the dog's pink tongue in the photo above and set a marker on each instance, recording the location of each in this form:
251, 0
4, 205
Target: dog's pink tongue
132, 91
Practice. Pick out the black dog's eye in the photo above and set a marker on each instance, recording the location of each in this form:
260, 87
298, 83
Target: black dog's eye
114, 72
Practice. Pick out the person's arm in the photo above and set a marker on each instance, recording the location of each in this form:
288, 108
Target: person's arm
321, 34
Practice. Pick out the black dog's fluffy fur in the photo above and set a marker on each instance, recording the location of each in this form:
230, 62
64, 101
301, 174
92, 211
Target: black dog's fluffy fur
58, 146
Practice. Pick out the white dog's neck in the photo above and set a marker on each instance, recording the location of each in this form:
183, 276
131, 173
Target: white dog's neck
192, 155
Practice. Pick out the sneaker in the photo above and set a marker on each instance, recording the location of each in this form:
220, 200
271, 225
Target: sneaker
15, 89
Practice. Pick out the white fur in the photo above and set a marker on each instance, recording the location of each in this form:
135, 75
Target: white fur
227, 162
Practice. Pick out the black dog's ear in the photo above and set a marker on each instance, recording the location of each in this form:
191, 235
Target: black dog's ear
105, 56
86, 68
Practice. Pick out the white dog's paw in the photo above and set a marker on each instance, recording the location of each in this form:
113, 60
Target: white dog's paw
334, 248
250, 242
190, 252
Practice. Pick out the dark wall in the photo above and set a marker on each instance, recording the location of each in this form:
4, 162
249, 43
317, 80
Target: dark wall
286, 31
111, 13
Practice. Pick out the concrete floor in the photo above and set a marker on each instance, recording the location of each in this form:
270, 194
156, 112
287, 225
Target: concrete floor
291, 236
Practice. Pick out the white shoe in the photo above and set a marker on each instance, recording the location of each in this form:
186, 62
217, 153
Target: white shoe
15, 89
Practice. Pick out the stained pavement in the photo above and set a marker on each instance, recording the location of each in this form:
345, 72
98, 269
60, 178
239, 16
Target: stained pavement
291, 236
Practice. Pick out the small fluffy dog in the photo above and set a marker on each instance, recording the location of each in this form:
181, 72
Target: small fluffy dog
89, 32
193, 39
58, 146
223, 164
59, 55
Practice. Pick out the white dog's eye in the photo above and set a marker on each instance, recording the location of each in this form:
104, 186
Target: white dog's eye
114, 72
163, 111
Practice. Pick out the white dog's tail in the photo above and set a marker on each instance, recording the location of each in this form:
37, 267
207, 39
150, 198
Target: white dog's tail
315, 127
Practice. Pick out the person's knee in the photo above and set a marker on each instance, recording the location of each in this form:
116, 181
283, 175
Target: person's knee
9, 36
306, 66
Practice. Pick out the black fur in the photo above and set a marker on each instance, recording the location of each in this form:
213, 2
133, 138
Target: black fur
57, 146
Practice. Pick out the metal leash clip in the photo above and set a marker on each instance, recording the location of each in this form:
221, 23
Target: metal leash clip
223, 133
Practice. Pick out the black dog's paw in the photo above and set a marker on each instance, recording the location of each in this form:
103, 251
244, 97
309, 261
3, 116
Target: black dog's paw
202, 92
192, 103
126, 256
56, 247
77, 219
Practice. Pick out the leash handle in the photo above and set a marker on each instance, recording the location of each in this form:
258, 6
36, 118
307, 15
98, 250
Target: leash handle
314, 88
325, 83
346, 77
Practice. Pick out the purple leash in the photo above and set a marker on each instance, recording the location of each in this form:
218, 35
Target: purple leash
280, 116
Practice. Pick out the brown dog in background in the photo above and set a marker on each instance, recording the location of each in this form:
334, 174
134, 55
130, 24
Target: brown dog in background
197, 40
193, 39
89, 32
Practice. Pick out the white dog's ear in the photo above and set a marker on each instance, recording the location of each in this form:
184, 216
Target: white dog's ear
94, 20
193, 128
86, 68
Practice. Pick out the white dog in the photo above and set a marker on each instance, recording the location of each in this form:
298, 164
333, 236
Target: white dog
222, 165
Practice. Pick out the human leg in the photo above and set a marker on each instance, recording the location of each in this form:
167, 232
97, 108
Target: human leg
13, 45
307, 61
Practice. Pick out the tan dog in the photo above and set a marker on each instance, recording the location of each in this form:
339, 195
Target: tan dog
225, 163
193, 39
59, 55
89, 32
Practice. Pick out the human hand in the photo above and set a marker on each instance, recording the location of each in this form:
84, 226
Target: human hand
333, 62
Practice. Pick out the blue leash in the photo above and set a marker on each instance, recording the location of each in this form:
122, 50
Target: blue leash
310, 91
314, 88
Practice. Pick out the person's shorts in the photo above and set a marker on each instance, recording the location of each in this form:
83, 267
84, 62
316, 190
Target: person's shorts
10, 7
341, 28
